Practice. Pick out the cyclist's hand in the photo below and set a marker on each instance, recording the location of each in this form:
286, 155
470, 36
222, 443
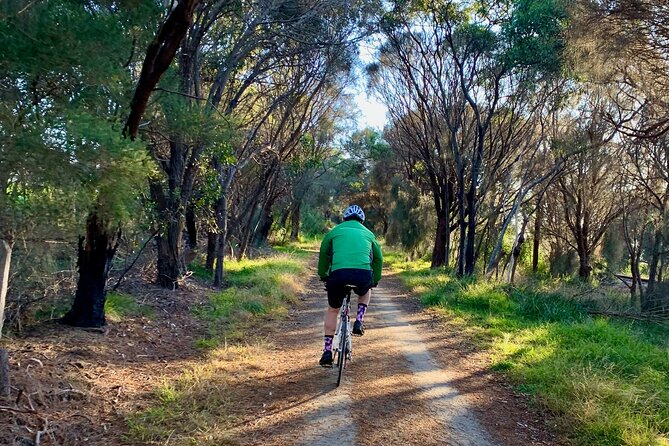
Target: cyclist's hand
375, 285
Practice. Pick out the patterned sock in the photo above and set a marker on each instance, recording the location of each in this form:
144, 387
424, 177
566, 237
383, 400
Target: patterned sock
328, 343
362, 309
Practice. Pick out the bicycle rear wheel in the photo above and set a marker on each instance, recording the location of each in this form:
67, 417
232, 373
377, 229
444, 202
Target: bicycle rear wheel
341, 357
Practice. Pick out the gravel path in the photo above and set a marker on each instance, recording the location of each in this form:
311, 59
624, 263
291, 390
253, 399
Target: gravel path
394, 392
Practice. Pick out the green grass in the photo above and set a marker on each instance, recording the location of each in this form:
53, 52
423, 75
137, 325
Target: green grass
607, 380
200, 406
255, 289
118, 306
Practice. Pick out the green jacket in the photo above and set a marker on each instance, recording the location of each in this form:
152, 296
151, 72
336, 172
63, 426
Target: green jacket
350, 245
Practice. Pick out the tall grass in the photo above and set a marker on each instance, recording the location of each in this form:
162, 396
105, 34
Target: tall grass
607, 380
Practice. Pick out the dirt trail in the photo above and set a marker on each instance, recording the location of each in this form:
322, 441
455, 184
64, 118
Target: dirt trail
400, 389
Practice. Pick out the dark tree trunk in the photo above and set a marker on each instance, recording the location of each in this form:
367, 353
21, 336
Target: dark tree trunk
264, 227
536, 240
191, 227
654, 261
636, 278
442, 239
462, 221
170, 260
212, 238
439, 252
96, 252
470, 257
584, 268
518, 249
222, 214
158, 58
171, 204
5, 387
295, 222
284, 217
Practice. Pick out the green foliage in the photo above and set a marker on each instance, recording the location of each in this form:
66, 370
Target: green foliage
535, 33
64, 77
605, 378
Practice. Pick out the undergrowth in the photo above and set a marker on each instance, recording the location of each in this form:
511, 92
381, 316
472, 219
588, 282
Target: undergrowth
606, 379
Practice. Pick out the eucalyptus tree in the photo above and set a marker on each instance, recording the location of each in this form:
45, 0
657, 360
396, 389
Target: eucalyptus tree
230, 52
466, 70
587, 193
626, 44
315, 100
64, 166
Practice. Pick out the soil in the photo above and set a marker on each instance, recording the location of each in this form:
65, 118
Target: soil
415, 379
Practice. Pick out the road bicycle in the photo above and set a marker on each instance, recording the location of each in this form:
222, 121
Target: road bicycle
341, 343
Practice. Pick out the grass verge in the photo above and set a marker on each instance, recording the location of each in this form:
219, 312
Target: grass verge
205, 401
607, 380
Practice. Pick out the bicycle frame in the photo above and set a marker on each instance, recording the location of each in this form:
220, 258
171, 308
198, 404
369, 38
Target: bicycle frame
341, 343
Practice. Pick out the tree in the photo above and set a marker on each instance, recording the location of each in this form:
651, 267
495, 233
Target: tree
588, 189
61, 109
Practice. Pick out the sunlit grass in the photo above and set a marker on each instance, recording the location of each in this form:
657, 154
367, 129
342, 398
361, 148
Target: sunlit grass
255, 289
607, 380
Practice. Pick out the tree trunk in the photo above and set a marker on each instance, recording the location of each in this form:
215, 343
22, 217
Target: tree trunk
654, 261
225, 177
295, 222
158, 58
584, 268
462, 222
212, 238
170, 261
246, 233
5, 261
517, 248
439, 252
96, 252
191, 227
634, 267
536, 239
470, 258
265, 227
5, 387
222, 214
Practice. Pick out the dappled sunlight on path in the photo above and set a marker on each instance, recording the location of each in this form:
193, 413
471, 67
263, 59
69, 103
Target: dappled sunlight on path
393, 391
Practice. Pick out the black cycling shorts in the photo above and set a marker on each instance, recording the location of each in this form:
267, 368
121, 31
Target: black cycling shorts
362, 279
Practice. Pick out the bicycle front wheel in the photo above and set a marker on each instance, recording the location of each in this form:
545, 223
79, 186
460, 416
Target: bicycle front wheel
341, 358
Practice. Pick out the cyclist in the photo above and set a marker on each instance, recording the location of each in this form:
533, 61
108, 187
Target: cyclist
349, 255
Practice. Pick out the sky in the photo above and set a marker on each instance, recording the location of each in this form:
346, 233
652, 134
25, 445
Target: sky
372, 111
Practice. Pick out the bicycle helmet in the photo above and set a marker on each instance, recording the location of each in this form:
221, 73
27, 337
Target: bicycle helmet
354, 211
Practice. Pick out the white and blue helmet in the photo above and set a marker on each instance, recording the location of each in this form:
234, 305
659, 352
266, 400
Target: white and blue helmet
354, 211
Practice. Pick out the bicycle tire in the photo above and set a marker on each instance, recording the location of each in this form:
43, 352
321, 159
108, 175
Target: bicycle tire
341, 357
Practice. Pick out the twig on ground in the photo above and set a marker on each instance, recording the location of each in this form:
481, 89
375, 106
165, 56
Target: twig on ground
12, 409
38, 435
